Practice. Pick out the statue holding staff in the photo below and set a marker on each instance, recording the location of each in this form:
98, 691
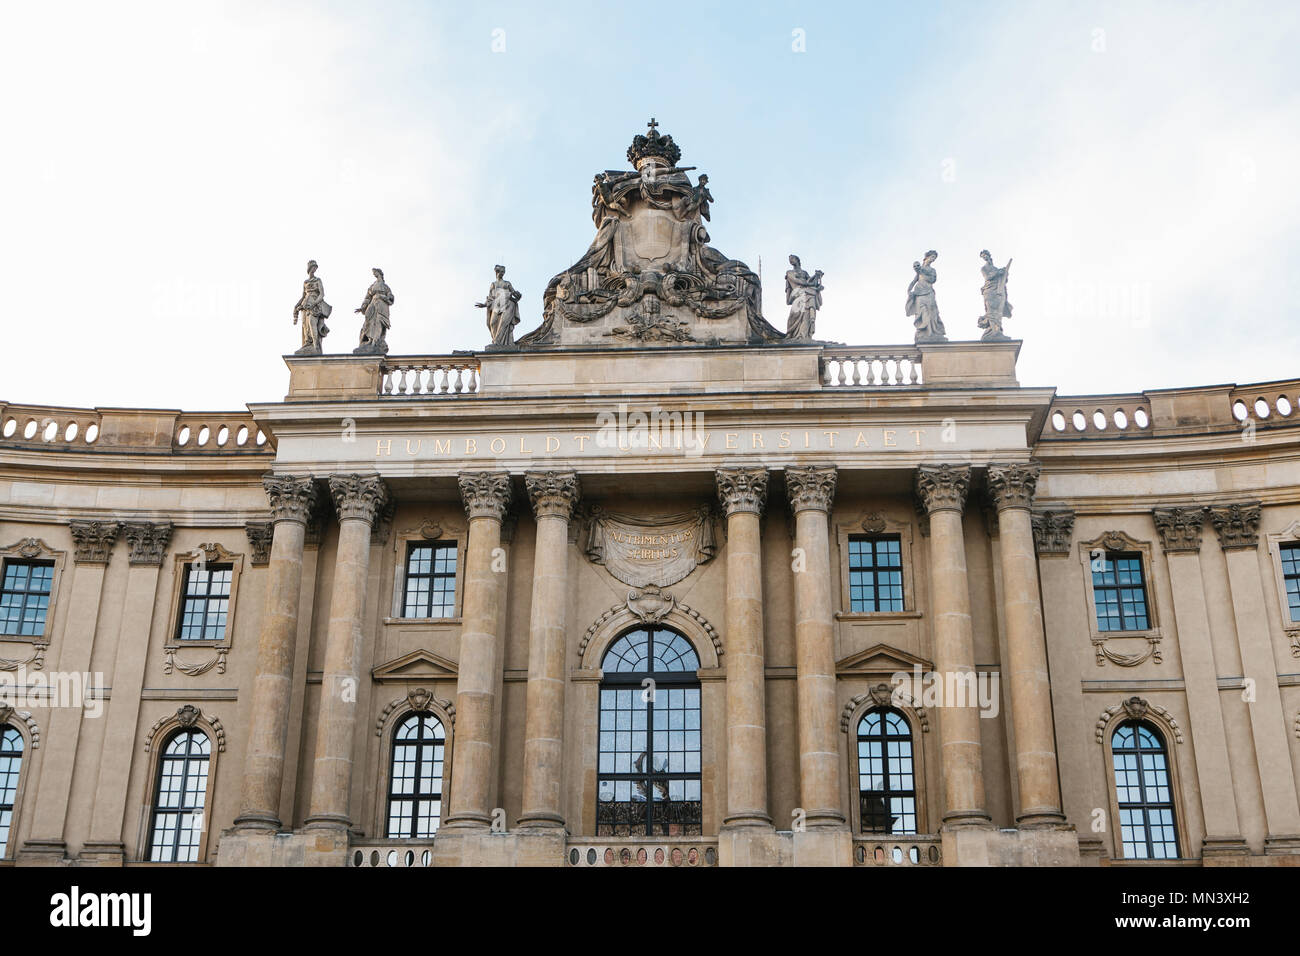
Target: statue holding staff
994, 290
804, 296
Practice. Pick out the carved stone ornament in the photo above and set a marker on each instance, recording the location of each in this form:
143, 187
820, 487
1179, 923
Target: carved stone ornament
943, 487
148, 541
93, 540
1237, 525
1012, 486
741, 489
650, 604
1179, 528
260, 535
810, 488
1135, 708
9, 715
1053, 531
884, 695
292, 497
553, 493
6, 712
358, 496
644, 550
874, 523
419, 700
186, 716
486, 494
172, 662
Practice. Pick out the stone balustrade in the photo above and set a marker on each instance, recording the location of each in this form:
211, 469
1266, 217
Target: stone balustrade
394, 854
429, 375
1267, 404
218, 433
919, 850
642, 851
63, 429
876, 367
1098, 416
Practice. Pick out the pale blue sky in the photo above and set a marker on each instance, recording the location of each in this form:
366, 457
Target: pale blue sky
168, 169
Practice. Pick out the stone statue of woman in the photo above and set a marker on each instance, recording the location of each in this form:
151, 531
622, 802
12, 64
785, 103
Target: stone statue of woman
921, 302
375, 309
502, 304
314, 310
804, 296
996, 306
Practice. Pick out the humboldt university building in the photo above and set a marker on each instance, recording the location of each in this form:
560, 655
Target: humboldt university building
655, 584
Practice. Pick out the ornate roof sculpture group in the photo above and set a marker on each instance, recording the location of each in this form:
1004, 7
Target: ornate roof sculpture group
650, 276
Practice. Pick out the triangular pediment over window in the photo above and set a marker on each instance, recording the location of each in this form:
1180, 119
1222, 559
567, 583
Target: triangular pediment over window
880, 659
420, 664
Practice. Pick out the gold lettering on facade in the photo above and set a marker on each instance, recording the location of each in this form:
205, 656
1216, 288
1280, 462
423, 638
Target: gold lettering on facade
495, 449
441, 449
731, 440
861, 441
785, 440
418, 443
918, 432
384, 446
889, 437
582, 441
830, 437
549, 447
471, 446
757, 440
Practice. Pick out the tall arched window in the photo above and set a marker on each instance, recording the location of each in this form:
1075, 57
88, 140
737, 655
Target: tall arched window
648, 778
180, 797
1143, 792
886, 777
415, 777
11, 765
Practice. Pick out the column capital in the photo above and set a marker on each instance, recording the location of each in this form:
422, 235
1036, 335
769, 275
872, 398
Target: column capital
1237, 524
1179, 528
260, 535
741, 489
486, 494
148, 541
553, 493
292, 497
943, 487
811, 488
1052, 531
1012, 486
358, 496
93, 540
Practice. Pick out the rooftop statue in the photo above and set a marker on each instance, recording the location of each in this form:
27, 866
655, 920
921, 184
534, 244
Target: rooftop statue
921, 302
314, 310
804, 296
996, 306
650, 275
375, 309
502, 304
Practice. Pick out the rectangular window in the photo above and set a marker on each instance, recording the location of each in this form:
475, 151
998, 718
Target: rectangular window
1120, 592
205, 599
875, 573
1291, 578
25, 597
430, 580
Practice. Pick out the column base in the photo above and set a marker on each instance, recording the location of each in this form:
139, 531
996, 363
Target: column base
327, 821
541, 821
989, 846
321, 847
1224, 850
1282, 844
534, 847
257, 820
754, 845
102, 853
966, 818
1038, 817
468, 820
43, 853
823, 846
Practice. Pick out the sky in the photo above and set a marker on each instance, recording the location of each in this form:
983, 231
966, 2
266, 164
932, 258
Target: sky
166, 171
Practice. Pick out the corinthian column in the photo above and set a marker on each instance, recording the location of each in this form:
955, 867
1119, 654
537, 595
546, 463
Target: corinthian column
742, 493
486, 495
811, 490
554, 495
942, 490
1012, 489
358, 500
292, 499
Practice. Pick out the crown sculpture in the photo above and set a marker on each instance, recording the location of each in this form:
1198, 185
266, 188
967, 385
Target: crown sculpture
650, 276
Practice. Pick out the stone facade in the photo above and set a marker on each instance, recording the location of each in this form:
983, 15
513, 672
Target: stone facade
743, 475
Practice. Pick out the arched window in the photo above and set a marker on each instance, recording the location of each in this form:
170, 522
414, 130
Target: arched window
179, 799
11, 765
415, 777
886, 776
648, 778
1143, 792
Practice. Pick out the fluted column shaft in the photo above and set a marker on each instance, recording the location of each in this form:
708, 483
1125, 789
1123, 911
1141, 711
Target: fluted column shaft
811, 491
487, 498
358, 499
554, 495
1012, 490
742, 493
942, 490
292, 500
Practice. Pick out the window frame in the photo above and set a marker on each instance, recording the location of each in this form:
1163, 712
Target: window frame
1123, 648
438, 530
14, 723
159, 763
663, 681
35, 549
27, 594
877, 524
428, 714
1287, 537
1163, 736
182, 611
411, 545
214, 555
875, 570
857, 739
1111, 558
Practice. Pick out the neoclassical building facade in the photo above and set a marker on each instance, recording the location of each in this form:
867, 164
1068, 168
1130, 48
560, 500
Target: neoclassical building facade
608, 598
